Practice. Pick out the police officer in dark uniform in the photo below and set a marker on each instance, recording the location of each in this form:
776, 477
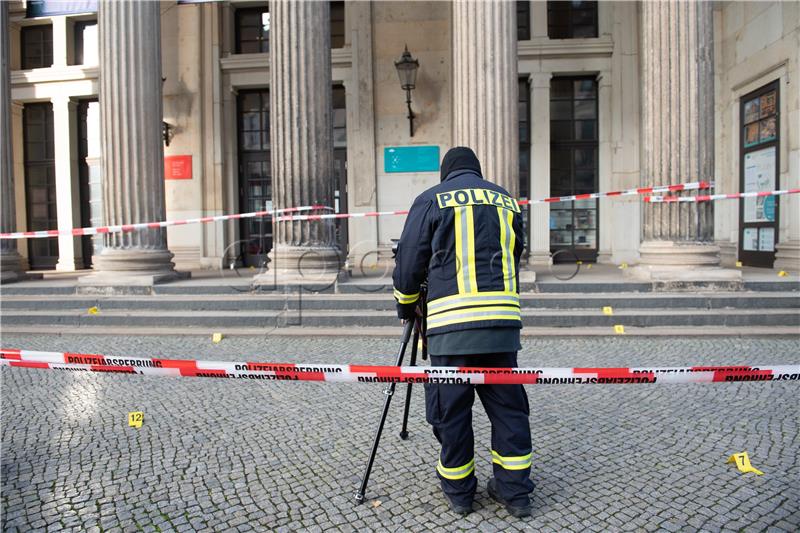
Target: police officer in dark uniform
466, 234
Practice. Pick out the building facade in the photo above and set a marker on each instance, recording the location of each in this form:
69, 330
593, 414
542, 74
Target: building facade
557, 98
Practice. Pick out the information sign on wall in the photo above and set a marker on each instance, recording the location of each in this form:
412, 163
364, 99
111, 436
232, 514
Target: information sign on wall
178, 167
411, 159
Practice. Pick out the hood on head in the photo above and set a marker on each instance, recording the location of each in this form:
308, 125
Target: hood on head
459, 158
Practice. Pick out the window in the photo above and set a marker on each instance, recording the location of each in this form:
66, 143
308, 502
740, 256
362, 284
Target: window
571, 19
252, 30
255, 174
40, 182
86, 52
524, 105
37, 46
758, 226
573, 164
524, 20
337, 24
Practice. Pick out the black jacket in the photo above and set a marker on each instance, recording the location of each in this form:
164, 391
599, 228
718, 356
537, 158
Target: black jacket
466, 234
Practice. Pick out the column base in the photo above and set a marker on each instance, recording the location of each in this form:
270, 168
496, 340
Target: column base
680, 261
11, 268
539, 258
787, 256
115, 270
300, 265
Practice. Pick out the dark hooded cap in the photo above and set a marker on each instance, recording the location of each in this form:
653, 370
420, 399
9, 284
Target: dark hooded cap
459, 158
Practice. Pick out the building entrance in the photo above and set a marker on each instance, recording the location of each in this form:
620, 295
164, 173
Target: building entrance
573, 165
255, 180
40, 183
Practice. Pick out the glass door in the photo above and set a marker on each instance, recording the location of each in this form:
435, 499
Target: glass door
40, 183
255, 180
574, 165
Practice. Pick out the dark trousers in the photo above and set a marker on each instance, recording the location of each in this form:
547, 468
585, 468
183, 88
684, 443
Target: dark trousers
448, 409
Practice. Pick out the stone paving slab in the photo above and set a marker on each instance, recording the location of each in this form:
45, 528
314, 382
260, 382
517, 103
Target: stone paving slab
272, 456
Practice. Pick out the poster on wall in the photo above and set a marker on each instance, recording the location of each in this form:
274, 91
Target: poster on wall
766, 240
759, 175
750, 239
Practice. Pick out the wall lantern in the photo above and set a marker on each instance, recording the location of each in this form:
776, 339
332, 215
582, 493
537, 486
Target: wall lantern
407, 71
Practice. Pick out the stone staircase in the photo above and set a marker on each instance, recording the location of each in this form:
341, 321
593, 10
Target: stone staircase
368, 308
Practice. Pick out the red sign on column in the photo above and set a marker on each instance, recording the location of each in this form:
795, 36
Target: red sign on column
178, 167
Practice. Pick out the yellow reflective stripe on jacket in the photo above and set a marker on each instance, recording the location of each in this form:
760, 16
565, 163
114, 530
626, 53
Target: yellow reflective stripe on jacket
466, 275
406, 298
507, 238
459, 316
464, 300
459, 472
519, 462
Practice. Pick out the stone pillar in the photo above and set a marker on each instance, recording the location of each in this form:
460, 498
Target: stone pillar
10, 260
301, 139
485, 114
67, 183
132, 150
678, 140
539, 230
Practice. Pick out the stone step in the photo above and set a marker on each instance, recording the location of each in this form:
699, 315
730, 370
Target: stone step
384, 302
359, 318
241, 286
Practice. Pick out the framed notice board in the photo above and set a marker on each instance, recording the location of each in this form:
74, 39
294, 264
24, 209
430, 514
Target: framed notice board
411, 159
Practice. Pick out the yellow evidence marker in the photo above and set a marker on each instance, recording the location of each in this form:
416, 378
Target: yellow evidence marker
739, 264
216, 338
135, 419
623, 266
607, 310
94, 310
743, 463
619, 329
782, 274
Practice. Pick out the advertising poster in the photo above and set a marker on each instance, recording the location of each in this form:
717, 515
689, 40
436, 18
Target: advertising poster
759, 175
766, 240
750, 239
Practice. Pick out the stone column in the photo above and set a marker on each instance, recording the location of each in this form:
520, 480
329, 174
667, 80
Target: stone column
539, 230
301, 139
678, 140
485, 114
67, 183
132, 150
10, 260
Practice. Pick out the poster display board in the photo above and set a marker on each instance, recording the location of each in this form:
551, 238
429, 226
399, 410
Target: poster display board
759, 175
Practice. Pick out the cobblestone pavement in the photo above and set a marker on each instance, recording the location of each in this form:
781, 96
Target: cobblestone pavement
241, 456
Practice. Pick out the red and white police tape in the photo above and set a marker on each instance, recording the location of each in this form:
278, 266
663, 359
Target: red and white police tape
393, 374
714, 197
698, 185
124, 228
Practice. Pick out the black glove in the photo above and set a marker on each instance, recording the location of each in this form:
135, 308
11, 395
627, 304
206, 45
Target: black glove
406, 311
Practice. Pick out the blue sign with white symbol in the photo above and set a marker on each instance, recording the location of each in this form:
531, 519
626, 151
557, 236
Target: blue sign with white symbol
769, 208
411, 159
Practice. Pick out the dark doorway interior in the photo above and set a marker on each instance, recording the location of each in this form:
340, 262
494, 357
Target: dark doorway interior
255, 180
40, 183
574, 165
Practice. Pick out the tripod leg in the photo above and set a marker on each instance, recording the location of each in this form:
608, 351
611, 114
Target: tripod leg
404, 430
389, 391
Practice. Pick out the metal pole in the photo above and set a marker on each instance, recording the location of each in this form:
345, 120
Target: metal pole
389, 391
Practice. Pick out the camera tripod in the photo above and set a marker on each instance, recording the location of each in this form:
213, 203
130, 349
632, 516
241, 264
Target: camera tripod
417, 326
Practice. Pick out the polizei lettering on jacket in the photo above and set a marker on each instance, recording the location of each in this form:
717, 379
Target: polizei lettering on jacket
463, 197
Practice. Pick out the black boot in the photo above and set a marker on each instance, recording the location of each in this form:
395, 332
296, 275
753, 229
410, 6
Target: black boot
459, 509
518, 511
